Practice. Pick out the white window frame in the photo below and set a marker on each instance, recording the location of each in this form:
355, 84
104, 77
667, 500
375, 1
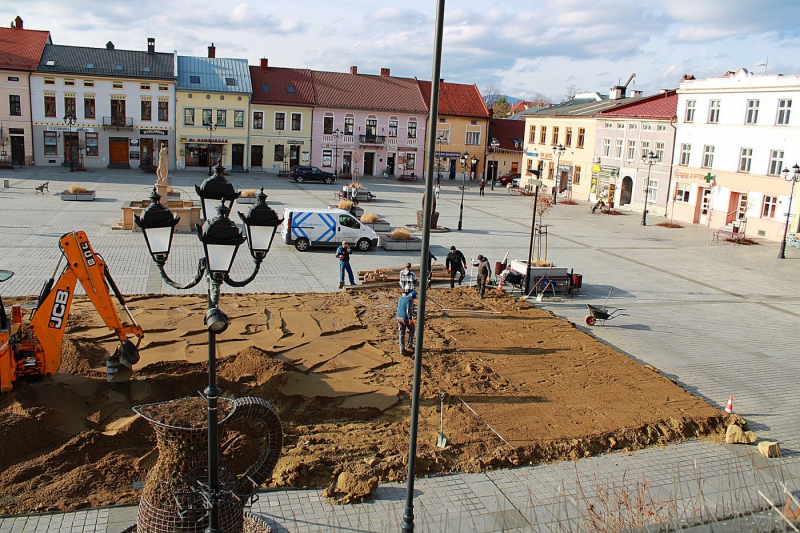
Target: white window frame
708, 156
618, 148
473, 138
713, 111
745, 159
686, 153
630, 154
645, 147
691, 105
751, 116
769, 207
606, 147
660, 151
683, 192
775, 162
784, 110
652, 189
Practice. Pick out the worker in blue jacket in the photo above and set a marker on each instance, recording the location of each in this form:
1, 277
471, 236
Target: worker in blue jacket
405, 321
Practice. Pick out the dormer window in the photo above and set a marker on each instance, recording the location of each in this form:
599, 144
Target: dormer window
264, 87
194, 79
145, 69
117, 67
290, 89
50, 63
89, 65
230, 81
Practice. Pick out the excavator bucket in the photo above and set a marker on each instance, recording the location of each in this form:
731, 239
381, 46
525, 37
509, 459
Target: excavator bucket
119, 367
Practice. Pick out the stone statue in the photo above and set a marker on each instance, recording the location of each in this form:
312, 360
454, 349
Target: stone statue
163, 165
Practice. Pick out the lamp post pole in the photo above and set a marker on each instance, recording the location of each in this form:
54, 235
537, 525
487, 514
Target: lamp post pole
558, 149
648, 159
336, 135
69, 120
537, 183
463, 160
493, 169
794, 178
440, 140
211, 127
221, 239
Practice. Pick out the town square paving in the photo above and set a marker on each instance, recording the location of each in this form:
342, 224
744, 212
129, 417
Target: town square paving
718, 318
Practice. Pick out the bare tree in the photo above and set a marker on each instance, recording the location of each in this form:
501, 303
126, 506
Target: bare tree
491, 95
572, 90
3, 141
540, 100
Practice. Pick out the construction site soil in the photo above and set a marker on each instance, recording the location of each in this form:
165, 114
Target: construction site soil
521, 385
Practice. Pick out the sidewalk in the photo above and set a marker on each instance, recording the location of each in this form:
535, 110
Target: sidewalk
720, 319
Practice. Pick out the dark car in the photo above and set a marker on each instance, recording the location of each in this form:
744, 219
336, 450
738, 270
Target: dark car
303, 173
508, 178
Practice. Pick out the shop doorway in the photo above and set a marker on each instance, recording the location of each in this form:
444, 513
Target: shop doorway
256, 156
347, 162
118, 152
369, 163
704, 207
70, 148
492, 171
148, 157
294, 156
237, 157
18, 150
626, 191
390, 164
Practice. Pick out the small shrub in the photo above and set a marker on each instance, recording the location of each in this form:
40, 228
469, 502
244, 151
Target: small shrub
370, 217
671, 225
568, 202
541, 263
76, 189
400, 234
613, 212
345, 204
170, 190
744, 240
249, 193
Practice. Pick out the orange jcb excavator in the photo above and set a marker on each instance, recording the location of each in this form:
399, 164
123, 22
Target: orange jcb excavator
33, 350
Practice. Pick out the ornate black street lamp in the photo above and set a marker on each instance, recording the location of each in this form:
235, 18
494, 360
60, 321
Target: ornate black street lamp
211, 127
558, 150
69, 120
648, 159
221, 239
493, 170
794, 178
336, 135
463, 160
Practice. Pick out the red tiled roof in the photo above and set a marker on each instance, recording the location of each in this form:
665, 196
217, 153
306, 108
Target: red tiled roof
278, 79
22, 49
520, 106
662, 106
506, 132
456, 99
366, 92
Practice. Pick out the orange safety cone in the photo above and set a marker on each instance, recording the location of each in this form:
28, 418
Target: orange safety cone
729, 407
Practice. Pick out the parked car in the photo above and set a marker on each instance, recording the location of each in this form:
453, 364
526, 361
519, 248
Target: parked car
515, 183
303, 173
508, 178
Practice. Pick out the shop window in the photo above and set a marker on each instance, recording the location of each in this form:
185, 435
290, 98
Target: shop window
92, 149
682, 192
411, 159
50, 143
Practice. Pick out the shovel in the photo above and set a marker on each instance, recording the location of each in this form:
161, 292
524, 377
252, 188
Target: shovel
441, 440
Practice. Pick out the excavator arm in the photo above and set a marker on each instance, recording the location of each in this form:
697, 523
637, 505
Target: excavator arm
49, 320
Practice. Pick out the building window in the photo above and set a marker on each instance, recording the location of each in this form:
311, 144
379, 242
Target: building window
230, 82
686, 151
258, 120
576, 176
645, 148
163, 87
14, 105
412, 129
327, 125
647, 127
393, 128
49, 81
532, 134
118, 115
606, 147
608, 124
327, 158
568, 137
69, 107
633, 126
280, 121
238, 119
682, 192
222, 118
661, 127
713, 112
784, 108
88, 107
371, 126
92, 145
411, 159
297, 121
116, 84
775, 162
144, 86
49, 106
708, 156
88, 83
741, 212
13, 78
631, 150
690, 107
751, 117
473, 137
278, 152
188, 116
620, 125
770, 205
50, 143
581, 137
349, 124
163, 111
147, 110
652, 189
555, 136
745, 159
543, 135
660, 151
207, 117
618, 148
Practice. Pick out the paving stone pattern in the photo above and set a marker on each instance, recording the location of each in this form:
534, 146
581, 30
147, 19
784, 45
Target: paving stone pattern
719, 318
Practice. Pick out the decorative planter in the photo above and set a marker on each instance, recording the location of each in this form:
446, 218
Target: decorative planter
87, 196
387, 243
357, 212
434, 219
246, 200
380, 225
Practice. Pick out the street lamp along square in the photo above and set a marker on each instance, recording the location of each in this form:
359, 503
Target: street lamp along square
214, 190
260, 224
158, 225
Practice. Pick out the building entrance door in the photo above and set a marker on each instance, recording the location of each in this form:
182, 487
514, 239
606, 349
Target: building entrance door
626, 191
705, 206
369, 163
390, 164
492, 171
294, 156
148, 158
70, 148
118, 151
18, 150
237, 158
256, 156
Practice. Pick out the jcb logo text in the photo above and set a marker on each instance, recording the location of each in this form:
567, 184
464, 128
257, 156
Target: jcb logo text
59, 309
87, 253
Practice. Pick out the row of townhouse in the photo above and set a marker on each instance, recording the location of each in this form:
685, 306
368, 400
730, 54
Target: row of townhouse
127, 104
718, 149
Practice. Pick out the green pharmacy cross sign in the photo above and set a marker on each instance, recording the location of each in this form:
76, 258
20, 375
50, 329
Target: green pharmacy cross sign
708, 177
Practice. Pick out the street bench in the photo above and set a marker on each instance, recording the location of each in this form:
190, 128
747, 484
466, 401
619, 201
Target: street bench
43, 187
733, 234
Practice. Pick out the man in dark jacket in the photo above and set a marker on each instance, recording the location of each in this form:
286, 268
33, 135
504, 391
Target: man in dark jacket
484, 271
456, 262
343, 254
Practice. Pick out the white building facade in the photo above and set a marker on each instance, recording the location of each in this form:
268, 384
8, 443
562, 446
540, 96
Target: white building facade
736, 134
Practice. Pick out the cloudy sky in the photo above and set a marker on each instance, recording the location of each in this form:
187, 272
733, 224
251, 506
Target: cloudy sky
518, 47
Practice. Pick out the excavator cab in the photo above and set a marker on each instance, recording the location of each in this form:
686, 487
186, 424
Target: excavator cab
5, 275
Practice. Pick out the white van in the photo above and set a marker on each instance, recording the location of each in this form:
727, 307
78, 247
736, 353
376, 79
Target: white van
312, 226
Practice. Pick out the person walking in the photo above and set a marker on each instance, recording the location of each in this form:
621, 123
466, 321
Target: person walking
456, 263
431, 259
484, 271
343, 254
407, 279
405, 322
481, 185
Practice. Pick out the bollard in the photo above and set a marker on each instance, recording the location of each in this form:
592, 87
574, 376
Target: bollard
6, 184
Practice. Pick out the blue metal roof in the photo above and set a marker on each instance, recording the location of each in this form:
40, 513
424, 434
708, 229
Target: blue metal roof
214, 74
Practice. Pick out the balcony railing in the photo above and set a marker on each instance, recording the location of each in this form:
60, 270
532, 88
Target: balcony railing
118, 122
372, 139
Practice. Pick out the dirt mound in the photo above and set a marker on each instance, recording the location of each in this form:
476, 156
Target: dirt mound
521, 387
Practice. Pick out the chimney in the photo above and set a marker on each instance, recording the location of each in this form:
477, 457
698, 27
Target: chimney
212, 51
109, 45
354, 70
18, 23
636, 94
151, 45
385, 72
264, 64
616, 93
